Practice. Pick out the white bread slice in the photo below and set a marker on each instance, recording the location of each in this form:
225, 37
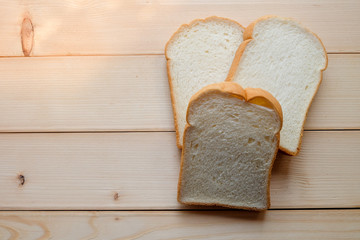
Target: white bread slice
230, 144
286, 59
197, 55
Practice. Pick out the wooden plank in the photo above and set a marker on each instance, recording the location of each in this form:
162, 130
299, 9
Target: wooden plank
84, 94
132, 93
140, 171
143, 27
337, 103
227, 225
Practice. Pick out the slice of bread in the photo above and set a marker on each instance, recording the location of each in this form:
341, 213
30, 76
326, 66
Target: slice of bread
197, 55
286, 59
230, 143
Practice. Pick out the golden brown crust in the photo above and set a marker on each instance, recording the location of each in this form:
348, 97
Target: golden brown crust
187, 127
236, 61
253, 95
264, 98
181, 28
247, 39
173, 106
312, 99
223, 205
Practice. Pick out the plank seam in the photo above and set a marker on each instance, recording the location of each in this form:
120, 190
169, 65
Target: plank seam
132, 55
155, 131
180, 210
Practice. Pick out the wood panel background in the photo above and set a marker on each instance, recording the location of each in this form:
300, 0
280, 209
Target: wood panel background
86, 124
213, 225
73, 27
140, 171
122, 93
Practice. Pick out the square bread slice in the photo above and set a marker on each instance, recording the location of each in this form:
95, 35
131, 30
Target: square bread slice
230, 144
197, 55
284, 58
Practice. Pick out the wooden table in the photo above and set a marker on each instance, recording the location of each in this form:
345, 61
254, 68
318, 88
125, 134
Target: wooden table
86, 124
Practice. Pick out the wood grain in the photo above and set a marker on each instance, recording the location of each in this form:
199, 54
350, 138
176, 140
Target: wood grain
132, 93
96, 171
143, 27
84, 94
105, 166
227, 225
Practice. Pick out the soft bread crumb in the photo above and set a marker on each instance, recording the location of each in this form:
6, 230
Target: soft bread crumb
229, 149
199, 54
287, 60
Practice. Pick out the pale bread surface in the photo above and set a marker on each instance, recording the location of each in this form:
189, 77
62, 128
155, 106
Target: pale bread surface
197, 55
286, 59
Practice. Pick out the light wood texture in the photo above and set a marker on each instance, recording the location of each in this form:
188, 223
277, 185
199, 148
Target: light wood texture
84, 94
140, 171
226, 225
141, 27
127, 90
337, 103
132, 93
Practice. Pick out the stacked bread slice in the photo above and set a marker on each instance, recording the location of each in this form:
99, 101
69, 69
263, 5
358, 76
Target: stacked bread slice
199, 54
230, 143
229, 135
284, 58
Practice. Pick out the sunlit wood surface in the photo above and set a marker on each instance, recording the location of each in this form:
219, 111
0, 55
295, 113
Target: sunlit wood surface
86, 124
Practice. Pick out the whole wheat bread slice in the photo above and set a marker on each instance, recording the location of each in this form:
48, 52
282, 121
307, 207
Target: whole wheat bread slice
197, 55
281, 56
230, 143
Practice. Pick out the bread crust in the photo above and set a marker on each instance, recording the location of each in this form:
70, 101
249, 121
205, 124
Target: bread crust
168, 60
264, 98
250, 95
248, 37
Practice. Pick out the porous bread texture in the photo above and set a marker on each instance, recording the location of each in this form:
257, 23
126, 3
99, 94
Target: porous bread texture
230, 144
197, 55
287, 60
